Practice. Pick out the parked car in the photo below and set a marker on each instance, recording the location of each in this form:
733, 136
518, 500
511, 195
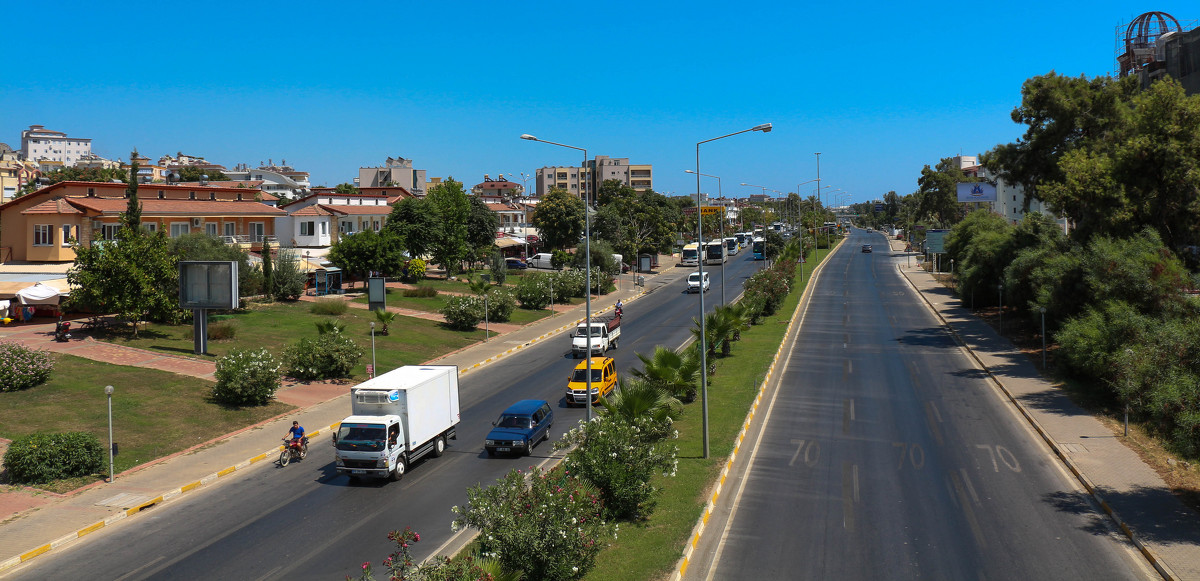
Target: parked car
695, 285
541, 260
520, 428
516, 263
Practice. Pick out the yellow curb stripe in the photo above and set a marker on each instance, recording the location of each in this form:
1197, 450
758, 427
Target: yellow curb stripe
31, 554
90, 529
259, 458
226, 472
190, 487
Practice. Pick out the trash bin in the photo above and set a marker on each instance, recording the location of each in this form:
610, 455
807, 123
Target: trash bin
641, 281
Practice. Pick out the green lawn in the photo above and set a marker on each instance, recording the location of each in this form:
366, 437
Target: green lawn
277, 325
155, 413
651, 549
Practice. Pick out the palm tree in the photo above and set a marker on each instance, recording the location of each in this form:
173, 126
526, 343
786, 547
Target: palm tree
639, 398
330, 326
717, 330
675, 373
738, 318
385, 317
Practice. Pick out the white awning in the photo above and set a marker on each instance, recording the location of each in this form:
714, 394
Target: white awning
38, 294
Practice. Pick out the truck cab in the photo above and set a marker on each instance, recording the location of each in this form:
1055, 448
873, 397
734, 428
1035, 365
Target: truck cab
604, 381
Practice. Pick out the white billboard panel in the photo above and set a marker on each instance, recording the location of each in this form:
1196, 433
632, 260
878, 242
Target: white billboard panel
976, 192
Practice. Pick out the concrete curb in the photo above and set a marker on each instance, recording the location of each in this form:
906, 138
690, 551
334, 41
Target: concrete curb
1162, 568
698, 530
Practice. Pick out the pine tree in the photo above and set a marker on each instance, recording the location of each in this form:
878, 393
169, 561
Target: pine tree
132, 218
268, 270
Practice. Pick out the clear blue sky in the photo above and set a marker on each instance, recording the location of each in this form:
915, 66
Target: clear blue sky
880, 89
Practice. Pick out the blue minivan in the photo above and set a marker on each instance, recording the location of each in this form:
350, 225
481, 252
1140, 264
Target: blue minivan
520, 428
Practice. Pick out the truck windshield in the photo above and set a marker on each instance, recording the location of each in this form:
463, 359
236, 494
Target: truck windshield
581, 375
366, 437
597, 331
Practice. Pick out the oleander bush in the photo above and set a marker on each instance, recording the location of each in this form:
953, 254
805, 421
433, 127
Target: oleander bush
327, 356
22, 367
41, 458
463, 312
533, 291
620, 457
500, 305
246, 377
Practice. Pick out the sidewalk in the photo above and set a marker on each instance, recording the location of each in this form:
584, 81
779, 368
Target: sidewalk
1137, 498
34, 522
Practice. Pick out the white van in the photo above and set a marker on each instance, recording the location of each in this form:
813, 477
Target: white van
694, 283
540, 260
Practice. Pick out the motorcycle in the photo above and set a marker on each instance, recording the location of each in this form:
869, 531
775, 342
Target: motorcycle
62, 331
619, 311
293, 450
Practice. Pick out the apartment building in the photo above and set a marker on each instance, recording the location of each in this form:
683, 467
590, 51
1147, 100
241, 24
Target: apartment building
283, 180
39, 143
394, 172
586, 179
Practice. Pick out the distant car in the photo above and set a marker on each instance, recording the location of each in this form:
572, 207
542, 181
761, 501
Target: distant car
866, 247
516, 263
520, 428
624, 268
541, 260
696, 284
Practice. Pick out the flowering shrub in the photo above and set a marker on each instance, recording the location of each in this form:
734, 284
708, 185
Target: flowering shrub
568, 283
40, 458
619, 458
401, 567
500, 305
327, 356
463, 312
548, 526
22, 367
533, 291
415, 270
246, 377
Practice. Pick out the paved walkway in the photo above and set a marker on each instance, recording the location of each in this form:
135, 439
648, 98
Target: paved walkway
1166, 531
34, 522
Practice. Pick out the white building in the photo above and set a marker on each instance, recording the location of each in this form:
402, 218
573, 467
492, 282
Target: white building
395, 172
318, 220
281, 180
41, 144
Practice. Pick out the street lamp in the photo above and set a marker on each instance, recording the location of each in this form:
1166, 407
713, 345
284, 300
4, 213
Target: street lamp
372, 374
722, 197
765, 127
587, 237
108, 390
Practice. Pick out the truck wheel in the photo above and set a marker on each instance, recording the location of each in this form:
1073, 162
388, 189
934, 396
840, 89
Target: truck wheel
398, 472
439, 447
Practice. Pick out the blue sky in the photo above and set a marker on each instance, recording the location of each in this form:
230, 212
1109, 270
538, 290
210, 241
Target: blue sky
880, 89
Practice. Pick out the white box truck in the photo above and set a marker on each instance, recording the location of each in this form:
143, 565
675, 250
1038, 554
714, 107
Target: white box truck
397, 418
605, 334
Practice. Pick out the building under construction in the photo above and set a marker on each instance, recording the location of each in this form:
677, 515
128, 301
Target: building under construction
1155, 45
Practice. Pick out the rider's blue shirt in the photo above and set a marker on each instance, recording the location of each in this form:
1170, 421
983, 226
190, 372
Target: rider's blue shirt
297, 432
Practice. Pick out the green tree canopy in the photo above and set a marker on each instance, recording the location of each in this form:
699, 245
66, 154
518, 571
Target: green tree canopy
191, 173
367, 251
482, 224
345, 188
452, 207
417, 225
559, 218
134, 276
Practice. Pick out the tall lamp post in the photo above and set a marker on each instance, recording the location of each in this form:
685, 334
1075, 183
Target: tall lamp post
587, 237
108, 390
722, 196
765, 127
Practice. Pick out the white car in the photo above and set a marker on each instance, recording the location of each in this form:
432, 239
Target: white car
694, 283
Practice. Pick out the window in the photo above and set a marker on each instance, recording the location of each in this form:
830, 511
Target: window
210, 228
180, 228
150, 226
345, 227
306, 228
43, 235
257, 231
110, 231
191, 195
212, 195
66, 232
160, 194
230, 228
91, 192
324, 228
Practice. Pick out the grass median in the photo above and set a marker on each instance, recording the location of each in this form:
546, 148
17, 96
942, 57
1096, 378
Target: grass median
652, 548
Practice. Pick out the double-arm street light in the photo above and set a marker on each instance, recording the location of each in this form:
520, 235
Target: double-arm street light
587, 237
765, 127
702, 251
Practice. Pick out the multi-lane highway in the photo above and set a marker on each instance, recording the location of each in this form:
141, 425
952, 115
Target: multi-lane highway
306, 522
886, 454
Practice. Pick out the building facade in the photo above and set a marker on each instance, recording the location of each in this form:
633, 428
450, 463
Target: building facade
394, 172
41, 227
320, 219
39, 143
586, 180
283, 181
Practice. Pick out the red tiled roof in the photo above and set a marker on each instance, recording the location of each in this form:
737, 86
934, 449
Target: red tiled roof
55, 206
313, 210
494, 185
155, 207
348, 210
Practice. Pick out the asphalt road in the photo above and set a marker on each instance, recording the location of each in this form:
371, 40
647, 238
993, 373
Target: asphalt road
306, 522
887, 455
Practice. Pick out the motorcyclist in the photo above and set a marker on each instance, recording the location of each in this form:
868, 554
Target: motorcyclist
296, 434
619, 308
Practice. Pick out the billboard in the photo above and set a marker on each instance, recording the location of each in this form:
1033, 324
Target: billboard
976, 192
935, 241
